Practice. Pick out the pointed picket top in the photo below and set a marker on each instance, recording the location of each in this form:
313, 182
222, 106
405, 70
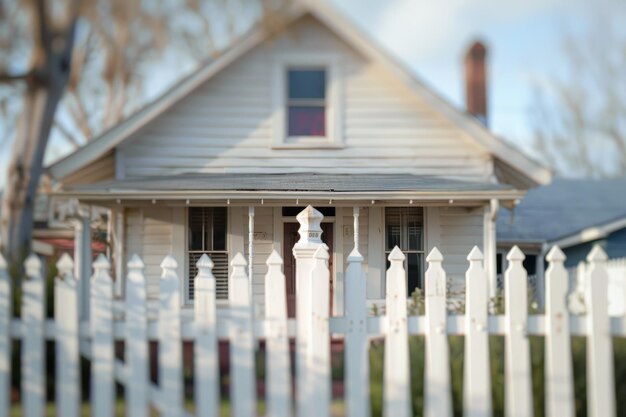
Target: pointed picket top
101, 262
355, 256
321, 253
3, 262
434, 256
169, 262
597, 254
239, 260
135, 262
475, 255
396, 255
65, 264
555, 255
515, 255
32, 264
274, 259
205, 262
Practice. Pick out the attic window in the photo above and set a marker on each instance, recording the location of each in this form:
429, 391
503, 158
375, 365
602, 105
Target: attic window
306, 102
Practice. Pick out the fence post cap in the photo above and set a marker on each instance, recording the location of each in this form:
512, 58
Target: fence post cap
32, 265
169, 262
239, 260
3, 262
135, 262
101, 262
555, 255
396, 255
205, 262
515, 254
65, 264
355, 256
597, 254
274, 259
475, 255
434, 256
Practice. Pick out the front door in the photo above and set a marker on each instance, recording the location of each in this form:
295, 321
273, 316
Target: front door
290, 238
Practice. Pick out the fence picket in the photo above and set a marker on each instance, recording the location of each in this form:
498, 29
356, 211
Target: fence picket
242, 386
517, 371
558, 356
396, 372
136, 340
102, 354
437, 395
6, 314
170, 341
33, 342
278, 387
67, 338
206, 377
319, 360
601, 380
356, 349
476, 374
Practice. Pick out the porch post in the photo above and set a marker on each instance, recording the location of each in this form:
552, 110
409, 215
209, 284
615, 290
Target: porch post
355, 214
118, 250
82, 260
491, 214
251, 250
310, 240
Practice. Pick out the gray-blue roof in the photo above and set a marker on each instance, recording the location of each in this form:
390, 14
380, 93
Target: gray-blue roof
562, 208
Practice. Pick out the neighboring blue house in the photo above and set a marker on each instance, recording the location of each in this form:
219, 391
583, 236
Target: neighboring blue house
574, 214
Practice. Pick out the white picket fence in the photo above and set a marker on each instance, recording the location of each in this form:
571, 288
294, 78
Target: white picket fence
313, 329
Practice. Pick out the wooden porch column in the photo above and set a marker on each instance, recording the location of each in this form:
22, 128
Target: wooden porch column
82, 260
489, 228
355, 214
251, 251
118, 249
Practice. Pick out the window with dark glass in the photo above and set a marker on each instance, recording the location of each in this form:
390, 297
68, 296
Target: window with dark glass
306, 102
404, 227
207, 234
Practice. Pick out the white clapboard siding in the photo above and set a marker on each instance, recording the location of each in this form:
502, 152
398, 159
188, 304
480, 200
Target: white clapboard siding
600, 374
476, 372
170, 341
6, 314
242, 386
227, 123
357, 343
102, 169
67, 386
558, 356
437, 393
517, 370
136, 340
33, 344
262, 246
278, 377
102, 353
396, 371
206, 354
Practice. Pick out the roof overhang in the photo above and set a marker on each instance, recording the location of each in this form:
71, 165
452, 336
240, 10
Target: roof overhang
589, 234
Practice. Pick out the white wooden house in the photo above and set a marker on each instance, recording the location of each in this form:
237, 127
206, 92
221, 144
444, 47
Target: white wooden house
316, 114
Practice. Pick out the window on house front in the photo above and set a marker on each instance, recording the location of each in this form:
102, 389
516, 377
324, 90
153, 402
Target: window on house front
207, 234
404, 227
306, 102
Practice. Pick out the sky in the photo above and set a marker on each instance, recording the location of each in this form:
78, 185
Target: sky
524, 39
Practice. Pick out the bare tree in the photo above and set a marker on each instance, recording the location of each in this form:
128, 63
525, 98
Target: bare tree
579, 121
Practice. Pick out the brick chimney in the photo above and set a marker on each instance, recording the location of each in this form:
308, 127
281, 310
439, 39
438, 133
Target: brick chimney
476, 81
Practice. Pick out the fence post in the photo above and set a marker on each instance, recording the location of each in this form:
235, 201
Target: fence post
277, 344
33, 344
67, 339
310, 240
600, 377
396, 373
170, 342
356, 350
476, 374
319, 359
136, 338
518, 393
102, 354
206, 354
242, 372
6, 315
437, 395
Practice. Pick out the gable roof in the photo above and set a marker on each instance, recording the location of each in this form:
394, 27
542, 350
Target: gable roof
532, 172
566, 212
